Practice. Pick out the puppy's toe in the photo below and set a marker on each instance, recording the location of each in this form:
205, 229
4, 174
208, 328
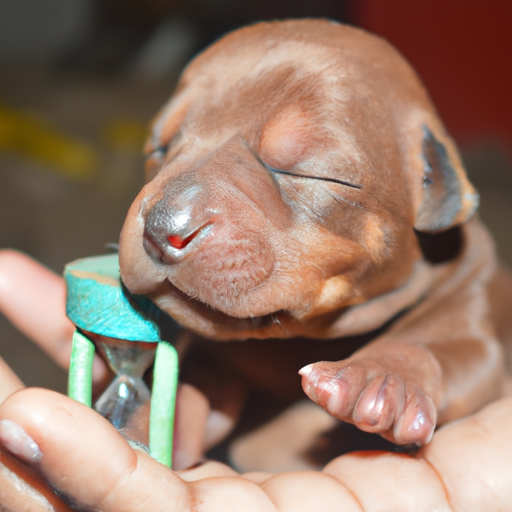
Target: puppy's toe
380, 403
373, 399
335, 388
418, 421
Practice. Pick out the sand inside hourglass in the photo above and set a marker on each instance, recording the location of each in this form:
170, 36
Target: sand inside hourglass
126, 401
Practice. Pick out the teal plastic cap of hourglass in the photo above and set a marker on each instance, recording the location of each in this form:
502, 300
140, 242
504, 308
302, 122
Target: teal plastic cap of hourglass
98, 302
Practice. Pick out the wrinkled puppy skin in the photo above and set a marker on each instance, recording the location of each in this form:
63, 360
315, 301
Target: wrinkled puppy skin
303, 195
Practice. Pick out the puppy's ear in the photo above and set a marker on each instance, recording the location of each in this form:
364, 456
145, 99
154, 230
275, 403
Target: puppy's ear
448, 197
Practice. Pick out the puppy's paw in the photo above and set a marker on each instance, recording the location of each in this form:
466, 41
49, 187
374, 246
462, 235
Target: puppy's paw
374, 399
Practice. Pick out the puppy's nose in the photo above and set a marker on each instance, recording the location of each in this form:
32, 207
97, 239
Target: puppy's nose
170, 227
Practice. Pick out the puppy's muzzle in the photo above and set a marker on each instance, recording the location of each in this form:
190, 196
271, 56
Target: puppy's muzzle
176, 225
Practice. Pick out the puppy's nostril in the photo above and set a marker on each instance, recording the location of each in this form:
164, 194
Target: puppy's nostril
179, 243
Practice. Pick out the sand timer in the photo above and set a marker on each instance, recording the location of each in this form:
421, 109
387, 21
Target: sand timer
130, 332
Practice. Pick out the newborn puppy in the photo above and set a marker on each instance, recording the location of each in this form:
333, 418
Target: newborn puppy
304, 196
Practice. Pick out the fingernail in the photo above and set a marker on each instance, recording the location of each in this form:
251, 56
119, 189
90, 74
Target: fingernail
306, 370
182, 459
218, 426
137, 446
17, 442
99, 368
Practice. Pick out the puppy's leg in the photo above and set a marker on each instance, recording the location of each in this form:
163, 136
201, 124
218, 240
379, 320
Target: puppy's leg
437, 363
393, 390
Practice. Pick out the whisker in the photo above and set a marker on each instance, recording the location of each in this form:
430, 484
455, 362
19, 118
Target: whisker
276, 320
340, 200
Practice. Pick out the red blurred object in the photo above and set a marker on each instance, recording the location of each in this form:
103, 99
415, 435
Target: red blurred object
462, 49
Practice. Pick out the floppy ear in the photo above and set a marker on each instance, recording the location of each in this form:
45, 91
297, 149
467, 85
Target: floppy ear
448, 197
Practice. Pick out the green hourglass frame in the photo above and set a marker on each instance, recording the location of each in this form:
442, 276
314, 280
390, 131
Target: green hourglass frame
129, 331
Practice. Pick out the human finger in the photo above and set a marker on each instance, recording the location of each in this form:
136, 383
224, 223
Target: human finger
33, 298
377, 478
78, 452
9, 381
192, 411
83, 457
22, 489
197, 427
473, 457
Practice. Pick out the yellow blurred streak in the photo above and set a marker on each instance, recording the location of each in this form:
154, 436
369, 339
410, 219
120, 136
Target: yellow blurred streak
31, 137
125, 135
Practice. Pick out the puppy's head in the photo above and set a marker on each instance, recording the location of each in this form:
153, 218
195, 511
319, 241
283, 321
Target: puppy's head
286, 177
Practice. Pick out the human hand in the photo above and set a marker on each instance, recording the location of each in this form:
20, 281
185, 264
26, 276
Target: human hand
84, 457
33, 298
467, 466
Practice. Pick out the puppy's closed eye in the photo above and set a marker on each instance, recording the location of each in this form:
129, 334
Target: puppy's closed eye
154, 162
157, 154
156, 157
285, 141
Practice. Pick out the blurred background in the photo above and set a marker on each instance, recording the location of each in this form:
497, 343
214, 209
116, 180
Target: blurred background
80, 80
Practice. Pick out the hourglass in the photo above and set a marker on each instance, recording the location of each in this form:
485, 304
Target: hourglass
130, 332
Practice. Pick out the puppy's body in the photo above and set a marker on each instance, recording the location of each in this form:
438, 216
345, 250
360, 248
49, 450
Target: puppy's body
302, 187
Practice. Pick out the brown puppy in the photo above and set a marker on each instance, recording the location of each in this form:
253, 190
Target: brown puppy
301, 186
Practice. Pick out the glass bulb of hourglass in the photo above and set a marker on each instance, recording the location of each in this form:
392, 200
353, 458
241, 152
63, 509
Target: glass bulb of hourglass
125, 403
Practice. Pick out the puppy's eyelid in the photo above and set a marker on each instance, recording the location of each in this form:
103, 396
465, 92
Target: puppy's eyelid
298, 175
262, 162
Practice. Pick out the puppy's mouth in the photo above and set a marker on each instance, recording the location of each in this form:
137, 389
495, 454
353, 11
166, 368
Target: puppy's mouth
214, 315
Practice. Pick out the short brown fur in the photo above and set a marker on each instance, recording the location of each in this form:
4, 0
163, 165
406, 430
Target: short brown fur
314, 234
